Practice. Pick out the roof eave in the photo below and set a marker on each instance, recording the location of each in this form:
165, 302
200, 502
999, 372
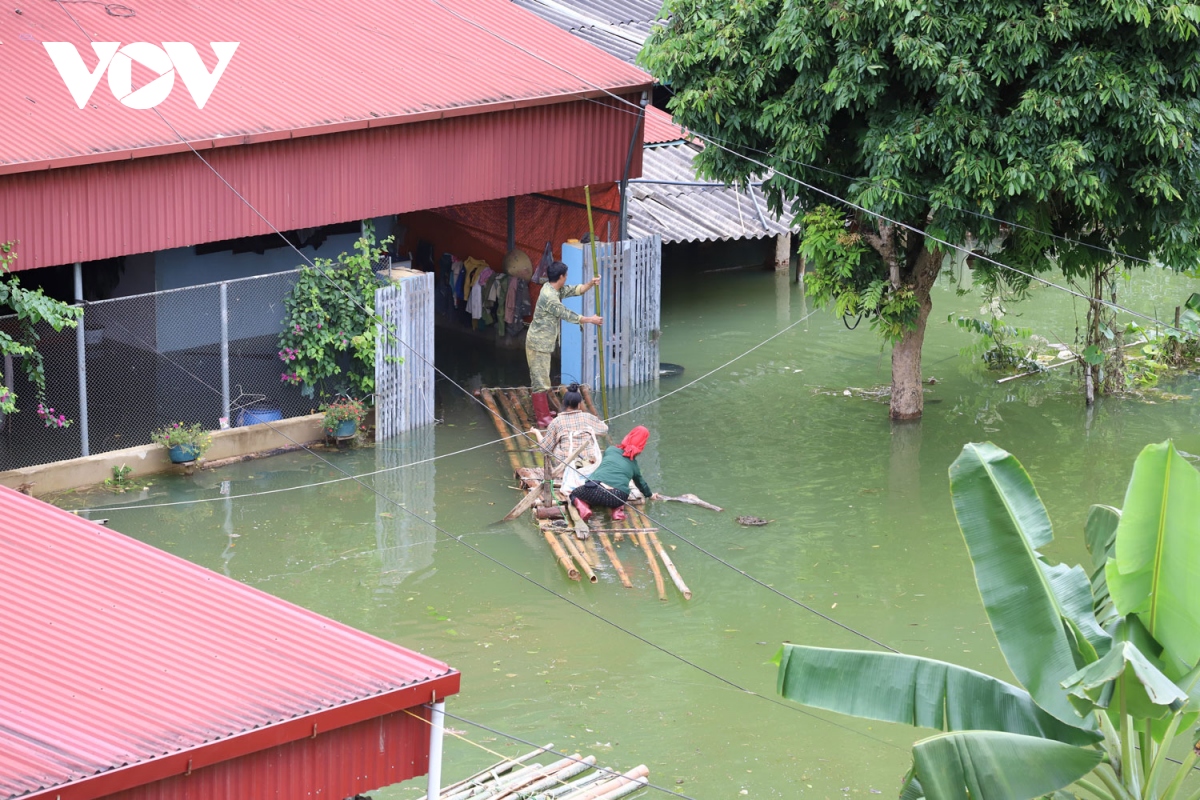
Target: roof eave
188, 760
314, 130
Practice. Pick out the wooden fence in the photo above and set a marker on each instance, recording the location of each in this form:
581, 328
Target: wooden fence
630, 302
404, 356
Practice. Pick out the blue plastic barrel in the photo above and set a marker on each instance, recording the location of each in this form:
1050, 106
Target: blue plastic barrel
253, 416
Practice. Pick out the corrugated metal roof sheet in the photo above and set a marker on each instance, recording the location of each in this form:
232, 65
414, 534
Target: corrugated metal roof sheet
118, 655
694, 213
619, 27
299, 68
660, 127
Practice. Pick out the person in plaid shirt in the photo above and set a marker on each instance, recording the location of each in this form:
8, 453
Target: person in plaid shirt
569, 430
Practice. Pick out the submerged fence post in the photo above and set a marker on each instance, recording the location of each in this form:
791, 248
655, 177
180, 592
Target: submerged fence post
437, 721
225, 351
81, 357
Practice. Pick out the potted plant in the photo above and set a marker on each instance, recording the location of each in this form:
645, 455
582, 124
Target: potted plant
184, 443
344, 417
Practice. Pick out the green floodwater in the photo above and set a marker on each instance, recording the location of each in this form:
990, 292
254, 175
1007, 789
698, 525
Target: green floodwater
862, 531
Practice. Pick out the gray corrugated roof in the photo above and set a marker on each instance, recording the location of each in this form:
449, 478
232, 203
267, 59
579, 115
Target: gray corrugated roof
694, 213
616, 26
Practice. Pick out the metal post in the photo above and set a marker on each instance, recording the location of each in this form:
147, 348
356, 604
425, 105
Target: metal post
81, 358
638, 133
512, 224
436, 732
225, 351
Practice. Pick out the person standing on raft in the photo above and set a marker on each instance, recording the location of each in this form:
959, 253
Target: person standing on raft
542, 337
608, 485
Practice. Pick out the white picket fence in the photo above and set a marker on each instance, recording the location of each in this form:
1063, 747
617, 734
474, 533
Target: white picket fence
631, 304
404, 388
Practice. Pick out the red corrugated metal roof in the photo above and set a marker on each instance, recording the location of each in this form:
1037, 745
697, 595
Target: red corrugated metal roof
300, 69
123, 664
661, 127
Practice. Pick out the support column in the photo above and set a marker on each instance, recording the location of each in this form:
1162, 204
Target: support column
437, 729
81, 358
783, 251
512, 224
225, 353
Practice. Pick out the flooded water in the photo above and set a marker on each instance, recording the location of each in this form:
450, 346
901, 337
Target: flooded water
862, 531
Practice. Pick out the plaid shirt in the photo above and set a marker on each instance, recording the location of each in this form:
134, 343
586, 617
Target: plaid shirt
567, 431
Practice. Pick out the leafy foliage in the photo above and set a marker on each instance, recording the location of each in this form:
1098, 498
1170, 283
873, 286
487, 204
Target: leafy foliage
330, 326
1000, 346
178, 434
342, 409
841, 274
31, 307
1109, 660
1077, 120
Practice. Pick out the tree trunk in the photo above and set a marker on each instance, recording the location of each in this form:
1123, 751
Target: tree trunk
908, 399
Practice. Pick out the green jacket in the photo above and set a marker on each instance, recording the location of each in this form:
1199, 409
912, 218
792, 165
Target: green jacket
543, 331
617, 471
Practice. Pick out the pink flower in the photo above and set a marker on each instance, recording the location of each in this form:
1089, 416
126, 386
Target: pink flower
318, 326
298, 330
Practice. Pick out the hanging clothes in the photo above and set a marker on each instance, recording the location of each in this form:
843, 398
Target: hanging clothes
475, 302
474, 267
510, 300
539, 273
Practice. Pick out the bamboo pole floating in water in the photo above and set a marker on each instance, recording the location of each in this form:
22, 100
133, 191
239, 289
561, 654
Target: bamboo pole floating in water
642, 540
519, 443
571, 548
560, 554
630, 778
493, 772
514, 456
575, 767
674, 573
612, 556
522, 785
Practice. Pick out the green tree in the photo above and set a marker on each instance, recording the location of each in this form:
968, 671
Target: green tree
1074, 118
31, 306
1107, 661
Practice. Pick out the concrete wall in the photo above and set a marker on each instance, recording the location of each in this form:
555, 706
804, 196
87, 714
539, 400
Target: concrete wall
152, 458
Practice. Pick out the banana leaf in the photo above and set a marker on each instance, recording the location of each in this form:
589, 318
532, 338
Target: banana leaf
1126, 672
987, 765
1073, 591
1155, 570
916, 691
1003, 520
1100, 533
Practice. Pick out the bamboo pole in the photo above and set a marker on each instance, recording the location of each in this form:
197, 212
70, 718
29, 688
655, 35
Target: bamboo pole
575, 767
522, 786
587, 199
524, 504
674, 573
588, 405
632, 776
510, 445
519, 443
621, 791
590, 780
658, 578
560, 554
573, 549
493, 772
527, 418
612, 556
591, 551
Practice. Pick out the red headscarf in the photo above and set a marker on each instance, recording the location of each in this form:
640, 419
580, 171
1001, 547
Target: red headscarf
634, 442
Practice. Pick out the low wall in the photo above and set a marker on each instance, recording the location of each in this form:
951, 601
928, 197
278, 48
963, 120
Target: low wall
152, 458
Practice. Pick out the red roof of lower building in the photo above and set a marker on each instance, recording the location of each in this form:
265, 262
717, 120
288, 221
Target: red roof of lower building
661, 127
299, 69
123, 664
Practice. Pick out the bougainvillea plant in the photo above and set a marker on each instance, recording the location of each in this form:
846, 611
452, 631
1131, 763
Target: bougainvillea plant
327, 345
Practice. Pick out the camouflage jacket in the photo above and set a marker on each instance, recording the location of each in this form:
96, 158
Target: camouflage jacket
543, 331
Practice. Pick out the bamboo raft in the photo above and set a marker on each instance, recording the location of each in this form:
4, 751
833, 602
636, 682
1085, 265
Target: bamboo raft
573, 778
573, 541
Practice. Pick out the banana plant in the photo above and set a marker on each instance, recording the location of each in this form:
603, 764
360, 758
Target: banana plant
1105, 659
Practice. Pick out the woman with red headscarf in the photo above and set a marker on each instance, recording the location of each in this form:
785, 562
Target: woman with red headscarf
608, 485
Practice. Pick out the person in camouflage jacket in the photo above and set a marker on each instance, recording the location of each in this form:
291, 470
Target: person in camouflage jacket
542, 336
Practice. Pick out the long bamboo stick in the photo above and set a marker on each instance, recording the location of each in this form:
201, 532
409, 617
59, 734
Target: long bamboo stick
493, 772
519, 443
674, 573
510, 445
517, 397
658, 578
590, 780
621, 791
640, 771
574, 766
522, 786
571, 548
560, 554
590, 550
612, 556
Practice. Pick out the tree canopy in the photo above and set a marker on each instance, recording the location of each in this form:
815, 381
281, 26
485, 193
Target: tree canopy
1071, 118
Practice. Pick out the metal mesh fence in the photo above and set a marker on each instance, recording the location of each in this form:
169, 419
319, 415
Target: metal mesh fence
153, 359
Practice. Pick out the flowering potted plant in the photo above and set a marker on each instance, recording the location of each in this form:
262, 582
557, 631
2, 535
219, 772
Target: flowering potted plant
344, 417
184, 443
